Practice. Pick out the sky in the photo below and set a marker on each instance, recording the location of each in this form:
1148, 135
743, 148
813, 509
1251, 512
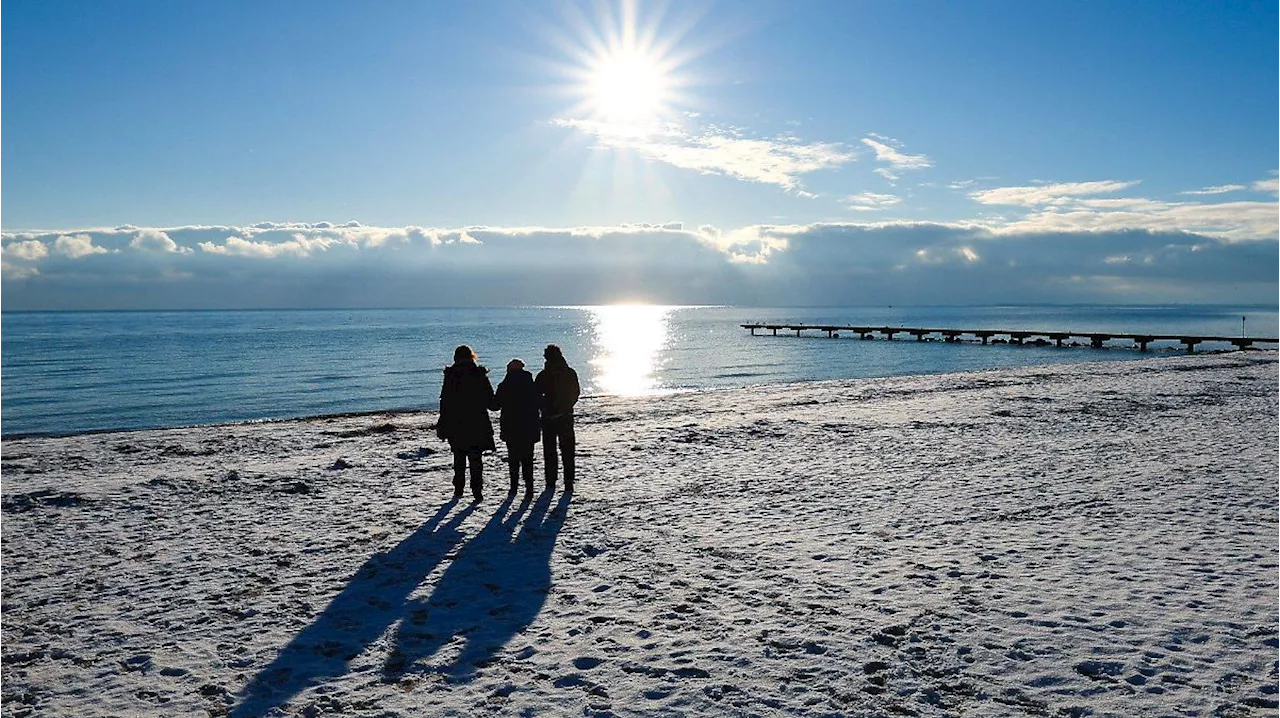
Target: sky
159, 155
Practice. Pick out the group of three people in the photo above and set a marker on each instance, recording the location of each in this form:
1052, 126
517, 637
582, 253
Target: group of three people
532, 410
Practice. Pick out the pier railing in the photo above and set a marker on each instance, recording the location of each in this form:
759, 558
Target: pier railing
1096, 339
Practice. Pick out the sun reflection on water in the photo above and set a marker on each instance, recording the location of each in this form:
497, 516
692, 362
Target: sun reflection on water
628, 341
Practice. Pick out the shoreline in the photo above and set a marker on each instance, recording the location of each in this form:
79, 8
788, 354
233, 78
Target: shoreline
1168, 353
1094, 538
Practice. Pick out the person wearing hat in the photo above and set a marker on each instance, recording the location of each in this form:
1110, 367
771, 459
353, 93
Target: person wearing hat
518, 425
465, 400
558, 386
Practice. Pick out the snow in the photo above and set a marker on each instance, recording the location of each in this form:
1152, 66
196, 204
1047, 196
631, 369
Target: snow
1095, 539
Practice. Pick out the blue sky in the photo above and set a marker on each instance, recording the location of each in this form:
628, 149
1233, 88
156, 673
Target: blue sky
408, 153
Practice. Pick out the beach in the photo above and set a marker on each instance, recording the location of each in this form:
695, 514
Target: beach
1077, 539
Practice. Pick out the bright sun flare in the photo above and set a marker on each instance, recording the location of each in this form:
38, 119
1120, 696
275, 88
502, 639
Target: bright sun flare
627, 86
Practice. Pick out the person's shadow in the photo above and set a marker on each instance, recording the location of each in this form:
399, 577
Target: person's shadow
494, 588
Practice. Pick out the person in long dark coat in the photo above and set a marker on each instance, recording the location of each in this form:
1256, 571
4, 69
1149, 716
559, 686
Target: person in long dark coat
519, 425
465, 400
558, 386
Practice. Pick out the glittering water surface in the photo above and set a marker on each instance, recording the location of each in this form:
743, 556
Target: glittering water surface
75, 371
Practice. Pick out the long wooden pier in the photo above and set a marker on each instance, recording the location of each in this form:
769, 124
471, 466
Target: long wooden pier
1040, 338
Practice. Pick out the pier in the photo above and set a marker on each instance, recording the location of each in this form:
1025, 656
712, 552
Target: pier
1017, 337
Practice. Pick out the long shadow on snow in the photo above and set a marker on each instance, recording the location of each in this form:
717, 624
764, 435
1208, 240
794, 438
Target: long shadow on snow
493, 589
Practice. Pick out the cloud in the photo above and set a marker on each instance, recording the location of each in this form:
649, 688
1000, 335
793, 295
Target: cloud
1271, 185
779, 161
1126, 250
1217, 189
77, 246
871, 201
16, 272
1048, 194
299, 246
1235, 221
27, 249
897, 160
154, 240
1070, 207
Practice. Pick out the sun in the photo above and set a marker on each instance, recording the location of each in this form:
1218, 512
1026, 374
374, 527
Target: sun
625, 69
627, 86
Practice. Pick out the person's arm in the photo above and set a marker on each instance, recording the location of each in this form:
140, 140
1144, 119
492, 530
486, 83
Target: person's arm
491, 398
446, 399
574, 389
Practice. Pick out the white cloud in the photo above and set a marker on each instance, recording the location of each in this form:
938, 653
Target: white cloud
13, 271
298, 246
29, 249
1153, 246
154, 240
77, 246
716, 150
1217, 189
1267, 185
871, 201
894, 157
1235, 221
1048, 194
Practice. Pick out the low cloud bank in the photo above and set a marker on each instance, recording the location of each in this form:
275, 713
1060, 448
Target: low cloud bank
353, 265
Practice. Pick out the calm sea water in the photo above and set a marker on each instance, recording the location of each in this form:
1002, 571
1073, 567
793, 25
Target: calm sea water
67, 372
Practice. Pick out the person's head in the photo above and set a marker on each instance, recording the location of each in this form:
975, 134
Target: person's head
515, 365
552, 353
463, 354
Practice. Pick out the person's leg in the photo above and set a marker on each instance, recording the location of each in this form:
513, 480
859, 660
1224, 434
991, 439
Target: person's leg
513, 464
568, 450
477, 474
526, 468
550, 460
459, 473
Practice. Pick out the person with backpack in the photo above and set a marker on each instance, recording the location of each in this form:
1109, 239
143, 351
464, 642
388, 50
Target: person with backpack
558, 388
519, 425
465, 400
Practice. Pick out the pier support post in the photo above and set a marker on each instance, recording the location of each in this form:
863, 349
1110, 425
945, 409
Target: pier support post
1191, 343
775, 331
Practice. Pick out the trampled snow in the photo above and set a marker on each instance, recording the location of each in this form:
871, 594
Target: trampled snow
1093, 539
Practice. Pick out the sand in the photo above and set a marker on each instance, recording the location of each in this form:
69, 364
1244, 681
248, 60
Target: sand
1094, 539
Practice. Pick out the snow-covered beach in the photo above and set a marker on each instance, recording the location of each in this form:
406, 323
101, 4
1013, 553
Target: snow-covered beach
1085, 539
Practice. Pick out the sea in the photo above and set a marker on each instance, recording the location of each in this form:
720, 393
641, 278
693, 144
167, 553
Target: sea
71, 372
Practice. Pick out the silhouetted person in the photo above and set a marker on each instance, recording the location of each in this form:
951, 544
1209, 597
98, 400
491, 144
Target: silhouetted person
465, 400
558, 387
519, 426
